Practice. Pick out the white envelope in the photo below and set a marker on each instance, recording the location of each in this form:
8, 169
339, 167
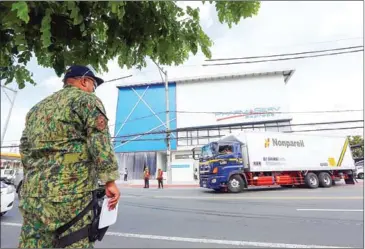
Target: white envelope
107, 218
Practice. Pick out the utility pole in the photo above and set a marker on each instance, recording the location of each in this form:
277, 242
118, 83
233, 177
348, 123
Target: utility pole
168, 145
9, 114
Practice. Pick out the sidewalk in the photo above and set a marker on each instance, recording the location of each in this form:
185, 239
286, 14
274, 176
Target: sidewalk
154, 184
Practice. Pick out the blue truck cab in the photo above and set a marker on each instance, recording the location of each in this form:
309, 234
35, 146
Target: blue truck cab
221, 167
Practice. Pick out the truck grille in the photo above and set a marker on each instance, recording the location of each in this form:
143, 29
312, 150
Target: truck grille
204, 169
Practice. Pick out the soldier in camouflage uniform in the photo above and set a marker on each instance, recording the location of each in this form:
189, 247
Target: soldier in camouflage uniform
65, 149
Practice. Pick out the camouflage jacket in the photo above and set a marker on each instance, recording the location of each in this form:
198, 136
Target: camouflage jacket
66, 147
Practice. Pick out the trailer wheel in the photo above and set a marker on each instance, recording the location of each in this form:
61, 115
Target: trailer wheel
325, 180
235, 184
311, 180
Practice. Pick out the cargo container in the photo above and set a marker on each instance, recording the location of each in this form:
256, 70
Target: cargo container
239, 161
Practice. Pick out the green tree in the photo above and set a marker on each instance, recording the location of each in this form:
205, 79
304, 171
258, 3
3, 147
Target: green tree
61, 33
357, 151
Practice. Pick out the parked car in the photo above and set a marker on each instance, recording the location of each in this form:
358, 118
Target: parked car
360, 169
7, 197
8, 176
18, 181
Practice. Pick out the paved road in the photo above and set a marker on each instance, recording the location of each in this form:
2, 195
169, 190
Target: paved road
194, 218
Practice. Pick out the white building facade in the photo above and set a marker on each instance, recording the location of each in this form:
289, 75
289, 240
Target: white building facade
201, 111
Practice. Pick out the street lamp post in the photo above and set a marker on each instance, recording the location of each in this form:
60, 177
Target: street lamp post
9, 114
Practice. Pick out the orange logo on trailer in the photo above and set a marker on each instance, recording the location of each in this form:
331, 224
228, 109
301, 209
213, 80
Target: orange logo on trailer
267, 142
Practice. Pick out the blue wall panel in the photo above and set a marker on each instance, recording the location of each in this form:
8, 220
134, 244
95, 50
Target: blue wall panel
142, 118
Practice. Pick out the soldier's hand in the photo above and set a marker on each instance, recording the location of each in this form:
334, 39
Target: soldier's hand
112, 192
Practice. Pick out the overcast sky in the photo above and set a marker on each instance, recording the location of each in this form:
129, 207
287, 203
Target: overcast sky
325, 83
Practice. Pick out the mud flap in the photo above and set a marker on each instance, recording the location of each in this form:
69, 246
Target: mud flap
350, 180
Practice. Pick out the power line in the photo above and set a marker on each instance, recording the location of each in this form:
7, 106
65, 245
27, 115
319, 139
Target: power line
285, 54
120, 78
319, 42
217, 136
274, 112
235, 128
138, 118
233, 112
206, 112
282, 59
116, 138
332, 129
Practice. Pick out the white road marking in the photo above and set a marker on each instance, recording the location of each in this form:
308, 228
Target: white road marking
331, 210
204, 241
251, 197
11, 224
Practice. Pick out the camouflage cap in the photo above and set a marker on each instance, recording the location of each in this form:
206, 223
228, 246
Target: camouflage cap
79, 71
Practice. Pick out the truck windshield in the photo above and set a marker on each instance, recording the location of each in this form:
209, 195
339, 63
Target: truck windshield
225, 149
206, 151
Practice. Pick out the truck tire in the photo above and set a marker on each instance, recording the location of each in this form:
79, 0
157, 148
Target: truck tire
325, 180
311, 180
235, 184
360, 176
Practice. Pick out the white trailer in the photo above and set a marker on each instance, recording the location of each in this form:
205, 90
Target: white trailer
275, 158
276, 151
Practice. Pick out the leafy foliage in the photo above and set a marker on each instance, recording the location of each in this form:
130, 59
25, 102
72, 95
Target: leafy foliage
61, 33
358, 151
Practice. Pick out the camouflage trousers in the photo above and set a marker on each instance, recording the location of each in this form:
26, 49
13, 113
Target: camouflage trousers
42, 217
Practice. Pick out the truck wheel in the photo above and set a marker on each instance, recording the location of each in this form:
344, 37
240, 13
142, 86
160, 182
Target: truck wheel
311, 180
360, 176
235, 184
3, 213
325, 180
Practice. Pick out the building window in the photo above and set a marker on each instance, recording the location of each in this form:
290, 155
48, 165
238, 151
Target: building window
182, 138
259, 127
224, 131
203, 137
284, 126
193, 137
213, 135
247, 128
271, 127
234, 129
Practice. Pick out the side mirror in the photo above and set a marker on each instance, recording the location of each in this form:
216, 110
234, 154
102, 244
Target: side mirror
195, 157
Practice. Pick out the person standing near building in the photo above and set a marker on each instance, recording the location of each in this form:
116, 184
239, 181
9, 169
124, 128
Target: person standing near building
125, 174
160, 178
146, 175
65, 150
